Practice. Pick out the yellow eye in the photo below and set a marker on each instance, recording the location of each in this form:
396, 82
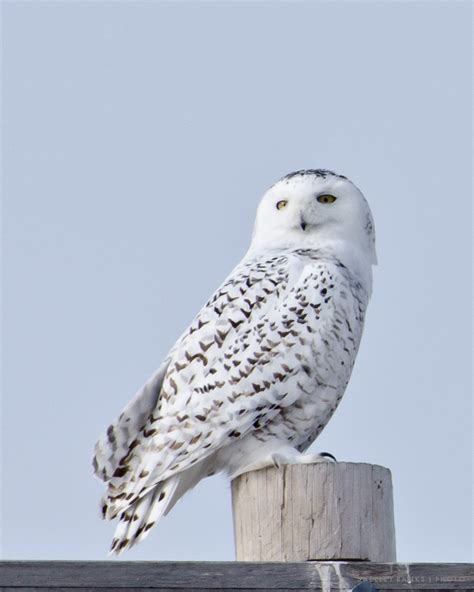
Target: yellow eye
326, 199
282, 204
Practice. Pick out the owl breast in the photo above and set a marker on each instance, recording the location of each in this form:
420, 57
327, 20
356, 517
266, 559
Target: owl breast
315, 337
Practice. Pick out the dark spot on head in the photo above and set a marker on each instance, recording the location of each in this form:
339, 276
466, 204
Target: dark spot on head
320, 173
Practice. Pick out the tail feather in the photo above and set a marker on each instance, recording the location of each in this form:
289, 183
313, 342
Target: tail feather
190, 478
138, 519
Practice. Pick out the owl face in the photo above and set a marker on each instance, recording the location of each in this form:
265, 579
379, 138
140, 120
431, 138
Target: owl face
309, 208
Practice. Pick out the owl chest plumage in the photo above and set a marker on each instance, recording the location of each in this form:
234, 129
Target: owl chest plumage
281, 341
317, 331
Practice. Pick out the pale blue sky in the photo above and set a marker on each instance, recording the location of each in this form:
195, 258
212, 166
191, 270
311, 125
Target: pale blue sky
137, 140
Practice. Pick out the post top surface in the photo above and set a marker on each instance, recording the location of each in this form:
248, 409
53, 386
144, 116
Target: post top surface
329, 465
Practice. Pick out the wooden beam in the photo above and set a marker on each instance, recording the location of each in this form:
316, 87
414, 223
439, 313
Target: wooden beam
120, 576
322, 511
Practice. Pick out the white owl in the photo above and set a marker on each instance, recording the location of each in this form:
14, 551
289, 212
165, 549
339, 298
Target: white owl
261, 369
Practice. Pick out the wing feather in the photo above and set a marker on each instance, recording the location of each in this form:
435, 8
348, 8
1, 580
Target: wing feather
115, 443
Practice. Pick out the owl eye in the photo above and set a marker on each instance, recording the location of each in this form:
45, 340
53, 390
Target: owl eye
326, 199
282, 204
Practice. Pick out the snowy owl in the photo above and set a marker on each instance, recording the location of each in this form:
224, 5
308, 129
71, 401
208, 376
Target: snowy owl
259, 372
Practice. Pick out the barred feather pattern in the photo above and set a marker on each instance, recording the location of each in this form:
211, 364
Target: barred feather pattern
264, 364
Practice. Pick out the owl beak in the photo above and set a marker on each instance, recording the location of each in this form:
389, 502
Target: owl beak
303, 223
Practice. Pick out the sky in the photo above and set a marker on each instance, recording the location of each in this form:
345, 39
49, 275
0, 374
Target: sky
138, 138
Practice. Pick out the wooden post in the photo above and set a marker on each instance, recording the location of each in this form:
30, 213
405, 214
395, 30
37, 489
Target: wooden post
323, 511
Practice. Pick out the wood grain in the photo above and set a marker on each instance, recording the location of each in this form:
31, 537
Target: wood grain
119, 576
321, 511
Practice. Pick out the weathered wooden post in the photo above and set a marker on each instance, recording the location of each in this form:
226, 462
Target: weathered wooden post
322, 512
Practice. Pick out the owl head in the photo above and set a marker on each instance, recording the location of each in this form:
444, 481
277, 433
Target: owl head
315, 209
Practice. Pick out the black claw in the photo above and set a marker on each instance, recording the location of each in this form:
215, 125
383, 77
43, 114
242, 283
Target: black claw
328, 455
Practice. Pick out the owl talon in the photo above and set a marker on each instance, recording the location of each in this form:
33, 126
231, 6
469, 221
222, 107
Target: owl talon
308, 459
327, 456
283, 458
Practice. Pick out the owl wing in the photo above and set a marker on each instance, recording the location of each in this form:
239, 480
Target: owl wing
114, 444
226, 376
